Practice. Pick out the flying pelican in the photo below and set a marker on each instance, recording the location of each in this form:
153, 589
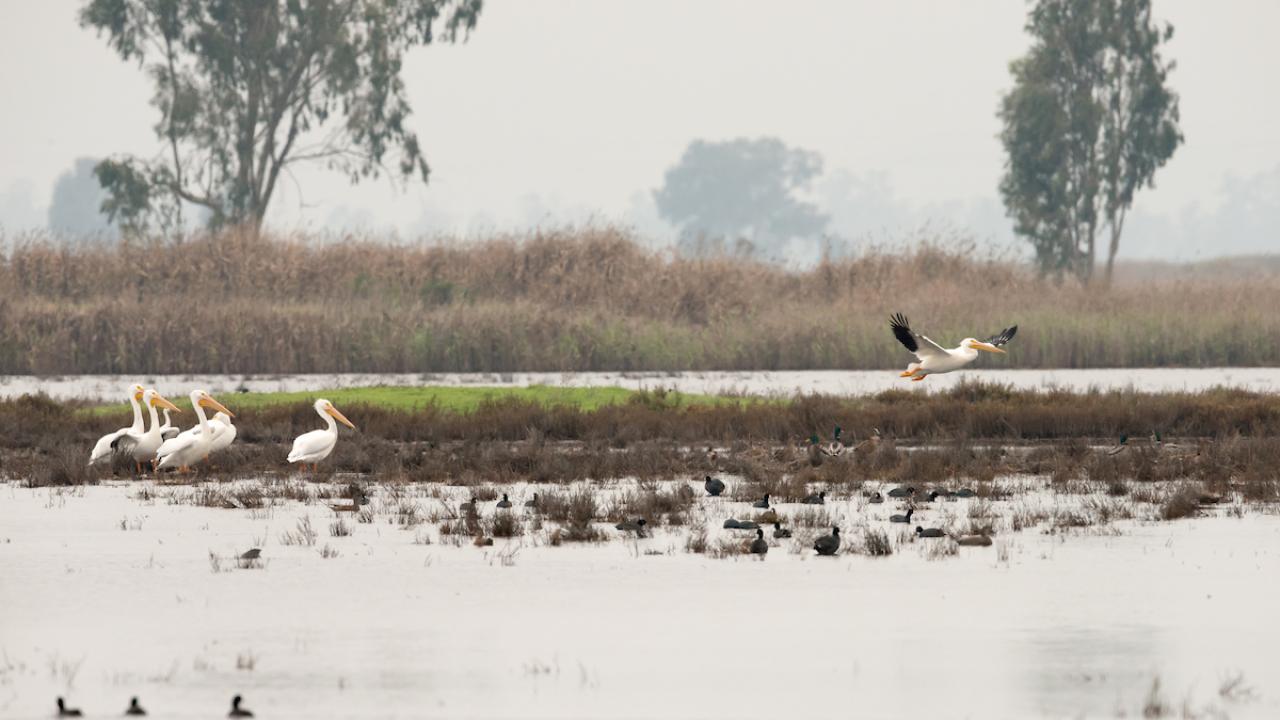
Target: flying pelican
106, 444
934, 358
142, 447
188, 448
312, 447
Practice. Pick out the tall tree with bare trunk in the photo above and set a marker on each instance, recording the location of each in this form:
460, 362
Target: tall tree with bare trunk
1088, 122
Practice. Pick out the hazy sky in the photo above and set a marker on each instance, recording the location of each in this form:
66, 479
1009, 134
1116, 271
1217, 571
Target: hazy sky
565, 109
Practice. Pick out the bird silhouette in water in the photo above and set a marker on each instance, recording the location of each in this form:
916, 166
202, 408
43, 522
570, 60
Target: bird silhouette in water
134, 708
759, 546
713, 486
64, 711
236, 710
828, 544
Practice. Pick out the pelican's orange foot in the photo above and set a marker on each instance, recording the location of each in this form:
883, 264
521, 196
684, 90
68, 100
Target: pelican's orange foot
906, 373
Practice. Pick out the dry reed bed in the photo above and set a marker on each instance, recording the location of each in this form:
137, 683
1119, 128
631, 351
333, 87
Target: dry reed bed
578, 300
974, 433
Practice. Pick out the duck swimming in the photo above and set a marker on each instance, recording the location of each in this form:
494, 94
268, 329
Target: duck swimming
504, 503
134, 708
828, 544
817, 499
902, 491
902, 518
759, 546
762, 503
780, 532
64, 711
713, 486
876, 498
236, 710
929, 532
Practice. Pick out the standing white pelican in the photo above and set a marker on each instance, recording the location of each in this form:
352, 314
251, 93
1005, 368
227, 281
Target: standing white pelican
934, 358
167, 429
223, 431
188, 448
142, 447
314, 446
105, 446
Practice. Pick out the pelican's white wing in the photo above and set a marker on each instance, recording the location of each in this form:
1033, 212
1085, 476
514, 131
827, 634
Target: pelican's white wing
182, 442
922, 346
104, 447
313, 446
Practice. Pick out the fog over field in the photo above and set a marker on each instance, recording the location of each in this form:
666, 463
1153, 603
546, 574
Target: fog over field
557, 111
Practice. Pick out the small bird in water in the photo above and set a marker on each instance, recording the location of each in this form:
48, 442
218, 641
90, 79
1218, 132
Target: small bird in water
876, 498
532, 503
504, 503
902, 491
636, 526
929, 532
828, 544
965, 493
817, 499
780, 532
64, 711
735, 524
973, 540
236, 710
713, 486
251, 554
759, 546
933, 495
902, 518
763, 503
473, 506
134, 708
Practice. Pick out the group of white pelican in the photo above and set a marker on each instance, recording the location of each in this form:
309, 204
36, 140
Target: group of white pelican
162, 446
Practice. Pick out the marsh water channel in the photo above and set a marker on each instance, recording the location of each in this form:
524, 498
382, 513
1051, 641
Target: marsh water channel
130, 588
833, 382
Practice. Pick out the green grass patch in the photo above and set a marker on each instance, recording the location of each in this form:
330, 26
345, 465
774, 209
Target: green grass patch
454, 399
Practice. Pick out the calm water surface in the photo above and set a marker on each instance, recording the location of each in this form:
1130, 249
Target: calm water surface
837, 382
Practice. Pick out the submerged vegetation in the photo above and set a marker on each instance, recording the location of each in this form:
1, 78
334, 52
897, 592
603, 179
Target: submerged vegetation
589, 299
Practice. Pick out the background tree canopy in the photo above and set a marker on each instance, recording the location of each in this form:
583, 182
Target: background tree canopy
741, 190
76, 208
247, 88
1088, 122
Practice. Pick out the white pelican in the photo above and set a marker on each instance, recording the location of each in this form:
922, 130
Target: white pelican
143, 446
314, 446
167, 429
223, 431
188, 448
934, 358
105, 446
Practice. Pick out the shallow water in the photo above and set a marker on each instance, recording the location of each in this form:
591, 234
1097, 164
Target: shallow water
835, 382
1067, 626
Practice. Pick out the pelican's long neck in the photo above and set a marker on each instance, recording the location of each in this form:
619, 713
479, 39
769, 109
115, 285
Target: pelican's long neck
331, 426
155, 420
204, 421
137, 414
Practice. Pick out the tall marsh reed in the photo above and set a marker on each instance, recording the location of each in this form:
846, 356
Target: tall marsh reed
590, 299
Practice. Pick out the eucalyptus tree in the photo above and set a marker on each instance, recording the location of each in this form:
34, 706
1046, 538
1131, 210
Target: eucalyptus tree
246, 90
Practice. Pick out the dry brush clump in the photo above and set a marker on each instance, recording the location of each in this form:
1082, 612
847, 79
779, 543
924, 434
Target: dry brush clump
585, 299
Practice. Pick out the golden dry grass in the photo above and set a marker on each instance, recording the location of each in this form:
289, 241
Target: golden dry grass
588, 299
